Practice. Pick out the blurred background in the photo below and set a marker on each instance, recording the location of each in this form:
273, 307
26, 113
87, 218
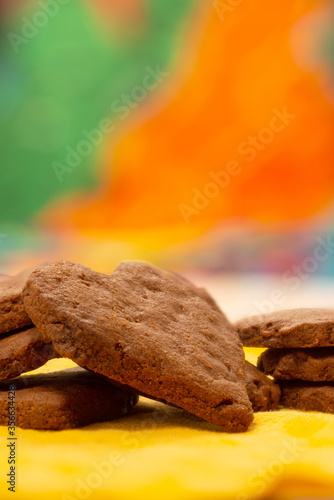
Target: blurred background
195, 134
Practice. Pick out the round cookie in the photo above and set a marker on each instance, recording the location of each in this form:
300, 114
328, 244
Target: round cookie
314, 364
145, 329
289, 328
307, 396
22, 352
12, 311
63, 400
263, 393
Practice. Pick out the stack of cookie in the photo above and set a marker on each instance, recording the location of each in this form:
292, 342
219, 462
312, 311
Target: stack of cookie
46, 401
22, 347
300, 355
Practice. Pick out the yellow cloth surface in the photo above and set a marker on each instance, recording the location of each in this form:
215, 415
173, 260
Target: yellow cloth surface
164, 453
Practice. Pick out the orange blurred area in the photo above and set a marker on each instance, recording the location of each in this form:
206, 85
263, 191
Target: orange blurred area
246, 106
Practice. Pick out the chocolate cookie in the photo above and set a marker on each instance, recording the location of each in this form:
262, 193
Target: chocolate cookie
307, 396
12, 311
314, 363
22, 352
290, 328
263, 393
63, 400
148, 330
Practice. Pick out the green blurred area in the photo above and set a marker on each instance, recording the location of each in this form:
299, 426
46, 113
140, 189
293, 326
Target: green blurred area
62, 81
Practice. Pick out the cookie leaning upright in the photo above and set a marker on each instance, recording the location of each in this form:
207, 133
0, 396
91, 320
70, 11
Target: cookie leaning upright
12, 311
148, 330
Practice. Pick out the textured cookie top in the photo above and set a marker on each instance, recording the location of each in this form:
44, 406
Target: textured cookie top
23, 351
147, 329
12, 311
263, 393
289, 328
64, 399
